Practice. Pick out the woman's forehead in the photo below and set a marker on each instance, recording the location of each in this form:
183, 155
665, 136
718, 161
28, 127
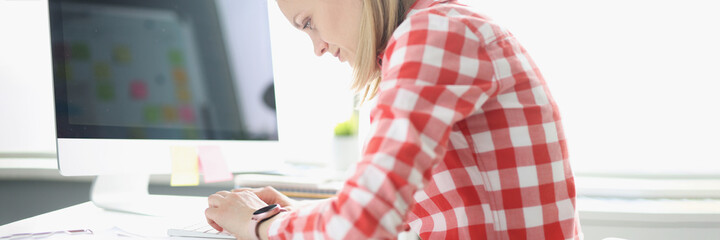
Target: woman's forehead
292, 7
288, 5
294, 3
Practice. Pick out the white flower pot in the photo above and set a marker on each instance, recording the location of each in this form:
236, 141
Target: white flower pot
346, 152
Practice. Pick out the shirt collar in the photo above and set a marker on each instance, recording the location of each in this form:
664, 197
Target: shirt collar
423, 4
417, 6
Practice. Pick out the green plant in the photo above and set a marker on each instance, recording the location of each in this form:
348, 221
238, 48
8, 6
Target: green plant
349, 127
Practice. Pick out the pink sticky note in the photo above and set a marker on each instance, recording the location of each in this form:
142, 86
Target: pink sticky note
187, 114
138, 90
214, 167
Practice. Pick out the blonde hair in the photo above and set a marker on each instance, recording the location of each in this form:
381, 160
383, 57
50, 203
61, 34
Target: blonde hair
379, 20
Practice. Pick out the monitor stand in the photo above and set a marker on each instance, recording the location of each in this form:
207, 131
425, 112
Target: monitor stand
129, 193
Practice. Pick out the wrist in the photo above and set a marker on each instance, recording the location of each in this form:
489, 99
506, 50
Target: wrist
263, 215
263, 227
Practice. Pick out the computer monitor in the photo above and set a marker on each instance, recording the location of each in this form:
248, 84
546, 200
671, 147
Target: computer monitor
135, 78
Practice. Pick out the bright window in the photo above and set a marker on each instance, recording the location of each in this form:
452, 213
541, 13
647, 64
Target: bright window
636, 81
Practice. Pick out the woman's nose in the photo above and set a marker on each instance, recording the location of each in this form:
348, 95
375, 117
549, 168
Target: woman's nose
320, 47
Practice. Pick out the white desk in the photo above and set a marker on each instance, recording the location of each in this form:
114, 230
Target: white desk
88, 216
631, 218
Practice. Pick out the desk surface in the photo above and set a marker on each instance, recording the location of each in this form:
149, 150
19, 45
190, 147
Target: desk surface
102, 222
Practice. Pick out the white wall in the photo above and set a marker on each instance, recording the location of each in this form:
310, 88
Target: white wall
26, 110
313, 93
636, 81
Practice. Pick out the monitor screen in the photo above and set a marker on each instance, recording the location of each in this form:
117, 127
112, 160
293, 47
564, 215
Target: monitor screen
135, 78
162, 69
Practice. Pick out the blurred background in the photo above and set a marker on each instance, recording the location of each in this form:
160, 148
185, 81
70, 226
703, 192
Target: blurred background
635, 82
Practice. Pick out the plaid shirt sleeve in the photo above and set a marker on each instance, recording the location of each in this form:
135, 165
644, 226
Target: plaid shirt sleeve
441, 69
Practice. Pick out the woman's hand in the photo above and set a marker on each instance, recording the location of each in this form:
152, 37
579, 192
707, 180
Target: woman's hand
271, 196
232, 212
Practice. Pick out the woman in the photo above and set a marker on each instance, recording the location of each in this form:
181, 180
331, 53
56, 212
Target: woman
466, 141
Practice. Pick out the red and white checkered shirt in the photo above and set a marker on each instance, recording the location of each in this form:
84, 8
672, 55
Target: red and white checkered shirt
465, 143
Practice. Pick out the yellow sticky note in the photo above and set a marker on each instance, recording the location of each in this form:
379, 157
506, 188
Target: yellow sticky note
184, 166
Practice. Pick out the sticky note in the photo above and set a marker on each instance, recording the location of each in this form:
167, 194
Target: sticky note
213, 165
184, 166
169, 113
187, 114
175, 57
138, 90
180, 76
151, 114
105, 91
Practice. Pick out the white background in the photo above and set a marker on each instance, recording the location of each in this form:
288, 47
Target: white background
635, 81
26, 110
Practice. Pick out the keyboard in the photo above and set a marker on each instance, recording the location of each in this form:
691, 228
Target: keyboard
199, 230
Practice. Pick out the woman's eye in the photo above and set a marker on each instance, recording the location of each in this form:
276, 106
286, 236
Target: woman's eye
307, 24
